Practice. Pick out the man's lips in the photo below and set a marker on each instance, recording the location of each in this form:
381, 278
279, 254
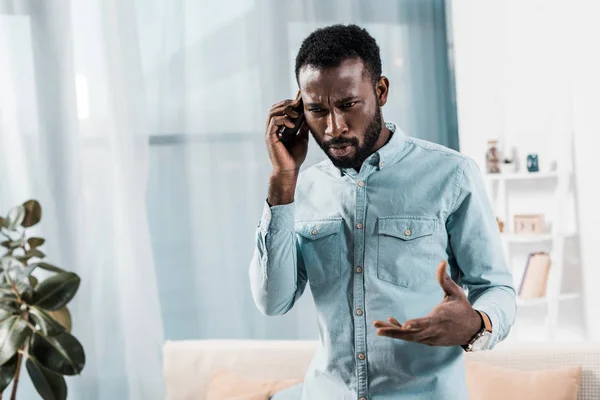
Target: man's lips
340, 150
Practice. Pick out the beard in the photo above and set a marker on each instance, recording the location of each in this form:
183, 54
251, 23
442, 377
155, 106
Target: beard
361, 153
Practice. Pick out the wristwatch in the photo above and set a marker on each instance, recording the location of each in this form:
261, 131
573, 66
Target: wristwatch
482, 339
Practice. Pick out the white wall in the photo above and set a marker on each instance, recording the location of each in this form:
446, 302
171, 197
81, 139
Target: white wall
527, 72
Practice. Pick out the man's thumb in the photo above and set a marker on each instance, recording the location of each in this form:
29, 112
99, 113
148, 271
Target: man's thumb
444, 280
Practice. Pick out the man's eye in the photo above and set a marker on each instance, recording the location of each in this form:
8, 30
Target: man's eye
348, 105
316, 110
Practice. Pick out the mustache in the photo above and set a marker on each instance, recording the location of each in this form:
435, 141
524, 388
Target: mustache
341, 142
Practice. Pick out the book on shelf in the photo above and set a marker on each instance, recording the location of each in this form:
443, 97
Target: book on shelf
535, 277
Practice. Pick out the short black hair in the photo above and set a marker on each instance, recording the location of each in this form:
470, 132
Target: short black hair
330, 46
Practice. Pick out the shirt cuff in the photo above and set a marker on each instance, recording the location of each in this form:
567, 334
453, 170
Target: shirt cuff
277, 218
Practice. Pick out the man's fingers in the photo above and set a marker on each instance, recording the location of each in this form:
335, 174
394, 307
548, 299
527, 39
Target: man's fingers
382, 324
285, 110
418, 324
408, 335
413, 324
441, 272
393, 322
283, 120
287, 102
447, 284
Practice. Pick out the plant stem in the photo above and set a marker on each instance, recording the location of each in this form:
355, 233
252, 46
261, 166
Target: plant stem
13, 395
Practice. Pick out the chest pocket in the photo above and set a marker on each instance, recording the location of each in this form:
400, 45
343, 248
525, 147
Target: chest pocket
321, 247
404, 249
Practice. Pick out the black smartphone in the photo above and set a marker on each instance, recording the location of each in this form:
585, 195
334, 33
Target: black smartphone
288, 136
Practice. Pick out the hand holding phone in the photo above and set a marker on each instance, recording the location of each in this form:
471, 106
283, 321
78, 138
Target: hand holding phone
287, 136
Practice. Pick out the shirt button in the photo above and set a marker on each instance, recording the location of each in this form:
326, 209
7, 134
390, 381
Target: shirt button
358, 270
381, 164
408, 232
363, 398
314, 231
359, 312
361, 356
359, 226
361, 183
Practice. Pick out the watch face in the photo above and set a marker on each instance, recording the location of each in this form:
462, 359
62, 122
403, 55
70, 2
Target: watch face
482, 342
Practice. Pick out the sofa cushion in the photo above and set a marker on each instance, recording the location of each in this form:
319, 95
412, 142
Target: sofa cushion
233, 386
490, 382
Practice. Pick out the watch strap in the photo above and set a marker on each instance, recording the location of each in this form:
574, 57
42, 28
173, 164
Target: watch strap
487, 323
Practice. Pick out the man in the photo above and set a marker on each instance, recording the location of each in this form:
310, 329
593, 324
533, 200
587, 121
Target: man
374, 230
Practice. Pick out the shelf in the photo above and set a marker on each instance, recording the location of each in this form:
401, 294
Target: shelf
544, 300
521, 176
526, 238
532, 238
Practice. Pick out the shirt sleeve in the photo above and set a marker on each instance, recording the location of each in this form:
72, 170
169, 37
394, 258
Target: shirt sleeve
476, 252
277, 273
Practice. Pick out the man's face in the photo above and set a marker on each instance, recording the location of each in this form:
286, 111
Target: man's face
342, 111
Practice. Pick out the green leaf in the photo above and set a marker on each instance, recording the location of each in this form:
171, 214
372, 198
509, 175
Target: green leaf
62, 353
9, 305
6, 291
13, 332
48, 325
34, 253
7, 372
3, 222
48, 267
33, 281
15, 217
63, 317
35, 242
50, 385
5, 314
33, 213
56, 291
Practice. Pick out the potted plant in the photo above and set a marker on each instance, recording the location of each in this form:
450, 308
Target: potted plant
35, 323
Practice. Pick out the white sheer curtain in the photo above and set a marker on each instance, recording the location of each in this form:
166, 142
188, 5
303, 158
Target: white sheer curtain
138, 124
73, 134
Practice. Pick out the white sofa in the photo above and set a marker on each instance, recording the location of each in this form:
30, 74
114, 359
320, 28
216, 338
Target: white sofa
188, 364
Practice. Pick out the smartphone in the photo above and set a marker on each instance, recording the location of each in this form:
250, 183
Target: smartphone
288, 136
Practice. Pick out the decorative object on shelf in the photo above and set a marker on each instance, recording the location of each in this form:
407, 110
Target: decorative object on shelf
535, 277
35, 323
500, 225
533, 163
529, 223
509, 166
492, 157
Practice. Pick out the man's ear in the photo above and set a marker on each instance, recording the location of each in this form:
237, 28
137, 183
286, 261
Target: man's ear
382, 88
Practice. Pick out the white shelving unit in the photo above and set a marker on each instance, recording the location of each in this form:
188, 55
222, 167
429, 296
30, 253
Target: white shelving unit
499, 187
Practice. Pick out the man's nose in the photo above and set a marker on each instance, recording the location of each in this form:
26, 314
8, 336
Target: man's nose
336, 126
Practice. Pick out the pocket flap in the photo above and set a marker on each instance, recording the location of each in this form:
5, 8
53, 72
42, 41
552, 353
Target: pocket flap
406, 228
318, 228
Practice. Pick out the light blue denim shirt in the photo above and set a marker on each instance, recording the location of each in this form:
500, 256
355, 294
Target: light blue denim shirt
369, 243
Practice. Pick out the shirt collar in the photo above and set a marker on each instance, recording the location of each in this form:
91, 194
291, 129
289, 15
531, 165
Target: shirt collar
388, 154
